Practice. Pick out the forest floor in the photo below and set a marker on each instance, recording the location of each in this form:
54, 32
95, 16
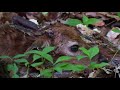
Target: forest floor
96, 28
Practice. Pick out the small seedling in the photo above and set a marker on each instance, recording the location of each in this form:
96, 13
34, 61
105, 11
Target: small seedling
116, 30
92, 52
85, 21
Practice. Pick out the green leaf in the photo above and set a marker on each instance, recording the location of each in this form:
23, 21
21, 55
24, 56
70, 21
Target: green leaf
46, 73
63, 58
92, 21
118, 14
116, 30
58, 69
94, 65
35, 57
63, 66
80, 57
19, 56
78, 68
93, 51
85, 19
4, 57
103, 64
84, 50
15, 76
48, 49
45, 13
15, 68
26, 64
88, 21
60, 66
21, 60
33, 52
70, 67
12, 67
46, 56
73, 22
36, 64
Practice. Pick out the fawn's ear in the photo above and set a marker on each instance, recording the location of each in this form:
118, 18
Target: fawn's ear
54, 36
40, 42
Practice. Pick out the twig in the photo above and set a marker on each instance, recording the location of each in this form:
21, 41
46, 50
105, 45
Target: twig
108, 15
115, 54
110, 23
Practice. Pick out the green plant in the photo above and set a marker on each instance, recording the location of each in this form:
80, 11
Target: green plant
116, 30
93, 51
94, 65
5, 57
13, 69
44, 13
73, 22
85, 20
20, 59
36, 56
90, 52
59, 65
118, 14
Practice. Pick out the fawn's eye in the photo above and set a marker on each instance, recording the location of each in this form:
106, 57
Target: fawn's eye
74, 48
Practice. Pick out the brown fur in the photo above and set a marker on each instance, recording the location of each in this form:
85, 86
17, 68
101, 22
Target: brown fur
13, 41
6, 17
68, 32
61, 32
